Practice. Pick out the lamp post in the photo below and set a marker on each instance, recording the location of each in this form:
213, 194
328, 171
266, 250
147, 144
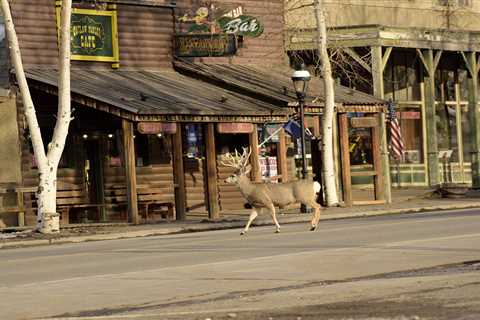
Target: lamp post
300, 80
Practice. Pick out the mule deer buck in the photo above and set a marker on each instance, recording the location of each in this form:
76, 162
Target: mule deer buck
269, 195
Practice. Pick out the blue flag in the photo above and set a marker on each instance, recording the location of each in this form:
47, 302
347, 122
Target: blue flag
293, 128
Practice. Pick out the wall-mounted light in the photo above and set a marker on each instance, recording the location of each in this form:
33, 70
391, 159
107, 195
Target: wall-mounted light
85, 136
110, 135
159, 135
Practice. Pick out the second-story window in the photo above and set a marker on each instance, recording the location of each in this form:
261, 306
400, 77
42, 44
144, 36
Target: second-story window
454, 3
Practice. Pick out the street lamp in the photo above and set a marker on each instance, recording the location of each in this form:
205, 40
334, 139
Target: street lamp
300, 80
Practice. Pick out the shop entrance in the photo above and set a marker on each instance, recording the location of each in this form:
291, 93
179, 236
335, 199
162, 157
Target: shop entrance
360, 156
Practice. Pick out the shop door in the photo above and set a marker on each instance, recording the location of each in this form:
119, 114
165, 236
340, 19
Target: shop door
361, 159
193, 164
94, 175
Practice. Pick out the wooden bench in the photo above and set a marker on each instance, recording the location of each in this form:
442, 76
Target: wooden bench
151, 199
75, 197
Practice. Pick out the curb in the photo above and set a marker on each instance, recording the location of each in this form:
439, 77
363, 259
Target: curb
225, 225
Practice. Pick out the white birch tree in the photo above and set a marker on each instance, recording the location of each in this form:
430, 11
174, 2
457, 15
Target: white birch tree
47, 160
328, 160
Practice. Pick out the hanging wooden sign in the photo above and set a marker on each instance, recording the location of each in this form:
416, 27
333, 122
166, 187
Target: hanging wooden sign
234, 127
94, 35
364, 122
157, 127
205, 45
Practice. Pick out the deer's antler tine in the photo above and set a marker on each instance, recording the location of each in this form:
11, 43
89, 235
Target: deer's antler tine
230, 160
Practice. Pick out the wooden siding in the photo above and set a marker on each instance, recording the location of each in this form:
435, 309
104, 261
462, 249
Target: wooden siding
153, 183
145, 36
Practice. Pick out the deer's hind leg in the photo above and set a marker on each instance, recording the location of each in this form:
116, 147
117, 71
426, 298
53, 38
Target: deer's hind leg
316, 214
252, 217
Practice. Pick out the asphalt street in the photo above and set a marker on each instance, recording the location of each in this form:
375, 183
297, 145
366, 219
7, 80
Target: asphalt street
390, 261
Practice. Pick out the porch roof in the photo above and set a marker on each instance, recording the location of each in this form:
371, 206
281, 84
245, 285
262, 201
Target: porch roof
272, 84
158, 96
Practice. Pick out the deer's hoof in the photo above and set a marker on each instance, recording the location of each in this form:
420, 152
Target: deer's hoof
243, 232
313, 228
277, 231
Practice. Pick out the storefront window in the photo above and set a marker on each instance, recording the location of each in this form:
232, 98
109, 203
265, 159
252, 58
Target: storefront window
360, 143
447, 130
411, 125
193, 141
467, 135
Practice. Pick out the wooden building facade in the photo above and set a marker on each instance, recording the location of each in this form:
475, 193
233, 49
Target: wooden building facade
152, 116
423, 57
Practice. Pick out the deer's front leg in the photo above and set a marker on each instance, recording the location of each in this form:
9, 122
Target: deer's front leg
252, 217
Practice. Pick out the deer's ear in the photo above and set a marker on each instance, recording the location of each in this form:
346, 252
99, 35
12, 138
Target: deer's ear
247, 169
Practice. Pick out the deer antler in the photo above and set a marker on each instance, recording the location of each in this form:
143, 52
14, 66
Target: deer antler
229, 160
237, 161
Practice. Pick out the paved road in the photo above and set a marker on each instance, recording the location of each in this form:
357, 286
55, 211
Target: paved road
221, 274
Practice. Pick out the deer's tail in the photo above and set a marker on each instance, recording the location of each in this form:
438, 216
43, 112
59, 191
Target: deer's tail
316, 187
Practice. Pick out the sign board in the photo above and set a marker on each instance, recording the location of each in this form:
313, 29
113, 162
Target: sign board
445, 154
241, 25
364, 122
234, 127
409, 115
157, 127
93, 34
205, 45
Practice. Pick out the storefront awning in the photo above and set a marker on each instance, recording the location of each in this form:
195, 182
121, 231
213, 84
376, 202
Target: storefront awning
158, 96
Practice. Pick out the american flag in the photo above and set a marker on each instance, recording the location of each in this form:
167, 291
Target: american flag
396, 141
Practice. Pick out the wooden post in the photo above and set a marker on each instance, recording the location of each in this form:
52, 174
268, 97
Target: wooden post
211, 159
345, 158
254, 160
379, 61
458, 121
179, 175
377, 163
130, 172
424, 132
474, 117
282, 156
430, 63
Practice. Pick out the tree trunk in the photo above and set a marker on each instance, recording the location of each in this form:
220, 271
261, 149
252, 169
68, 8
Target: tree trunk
48, 221
48, 218
328, 111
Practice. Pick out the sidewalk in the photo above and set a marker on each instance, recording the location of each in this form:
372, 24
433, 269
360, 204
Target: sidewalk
404, 201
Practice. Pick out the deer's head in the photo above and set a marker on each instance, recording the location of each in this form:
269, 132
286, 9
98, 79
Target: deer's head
239, 162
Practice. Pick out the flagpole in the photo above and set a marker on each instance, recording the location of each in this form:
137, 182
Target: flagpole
270, 137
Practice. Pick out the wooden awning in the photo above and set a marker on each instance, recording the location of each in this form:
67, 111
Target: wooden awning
158, 96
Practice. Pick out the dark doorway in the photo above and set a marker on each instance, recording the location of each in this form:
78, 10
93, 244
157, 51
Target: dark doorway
94, 175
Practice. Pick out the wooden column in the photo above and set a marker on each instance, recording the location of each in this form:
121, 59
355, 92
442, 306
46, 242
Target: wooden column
254, 160
179, 174
130, 172
377, 162
282, 156
345, 158
211, 159
430, 63
379, 61
458, 122
474, 116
